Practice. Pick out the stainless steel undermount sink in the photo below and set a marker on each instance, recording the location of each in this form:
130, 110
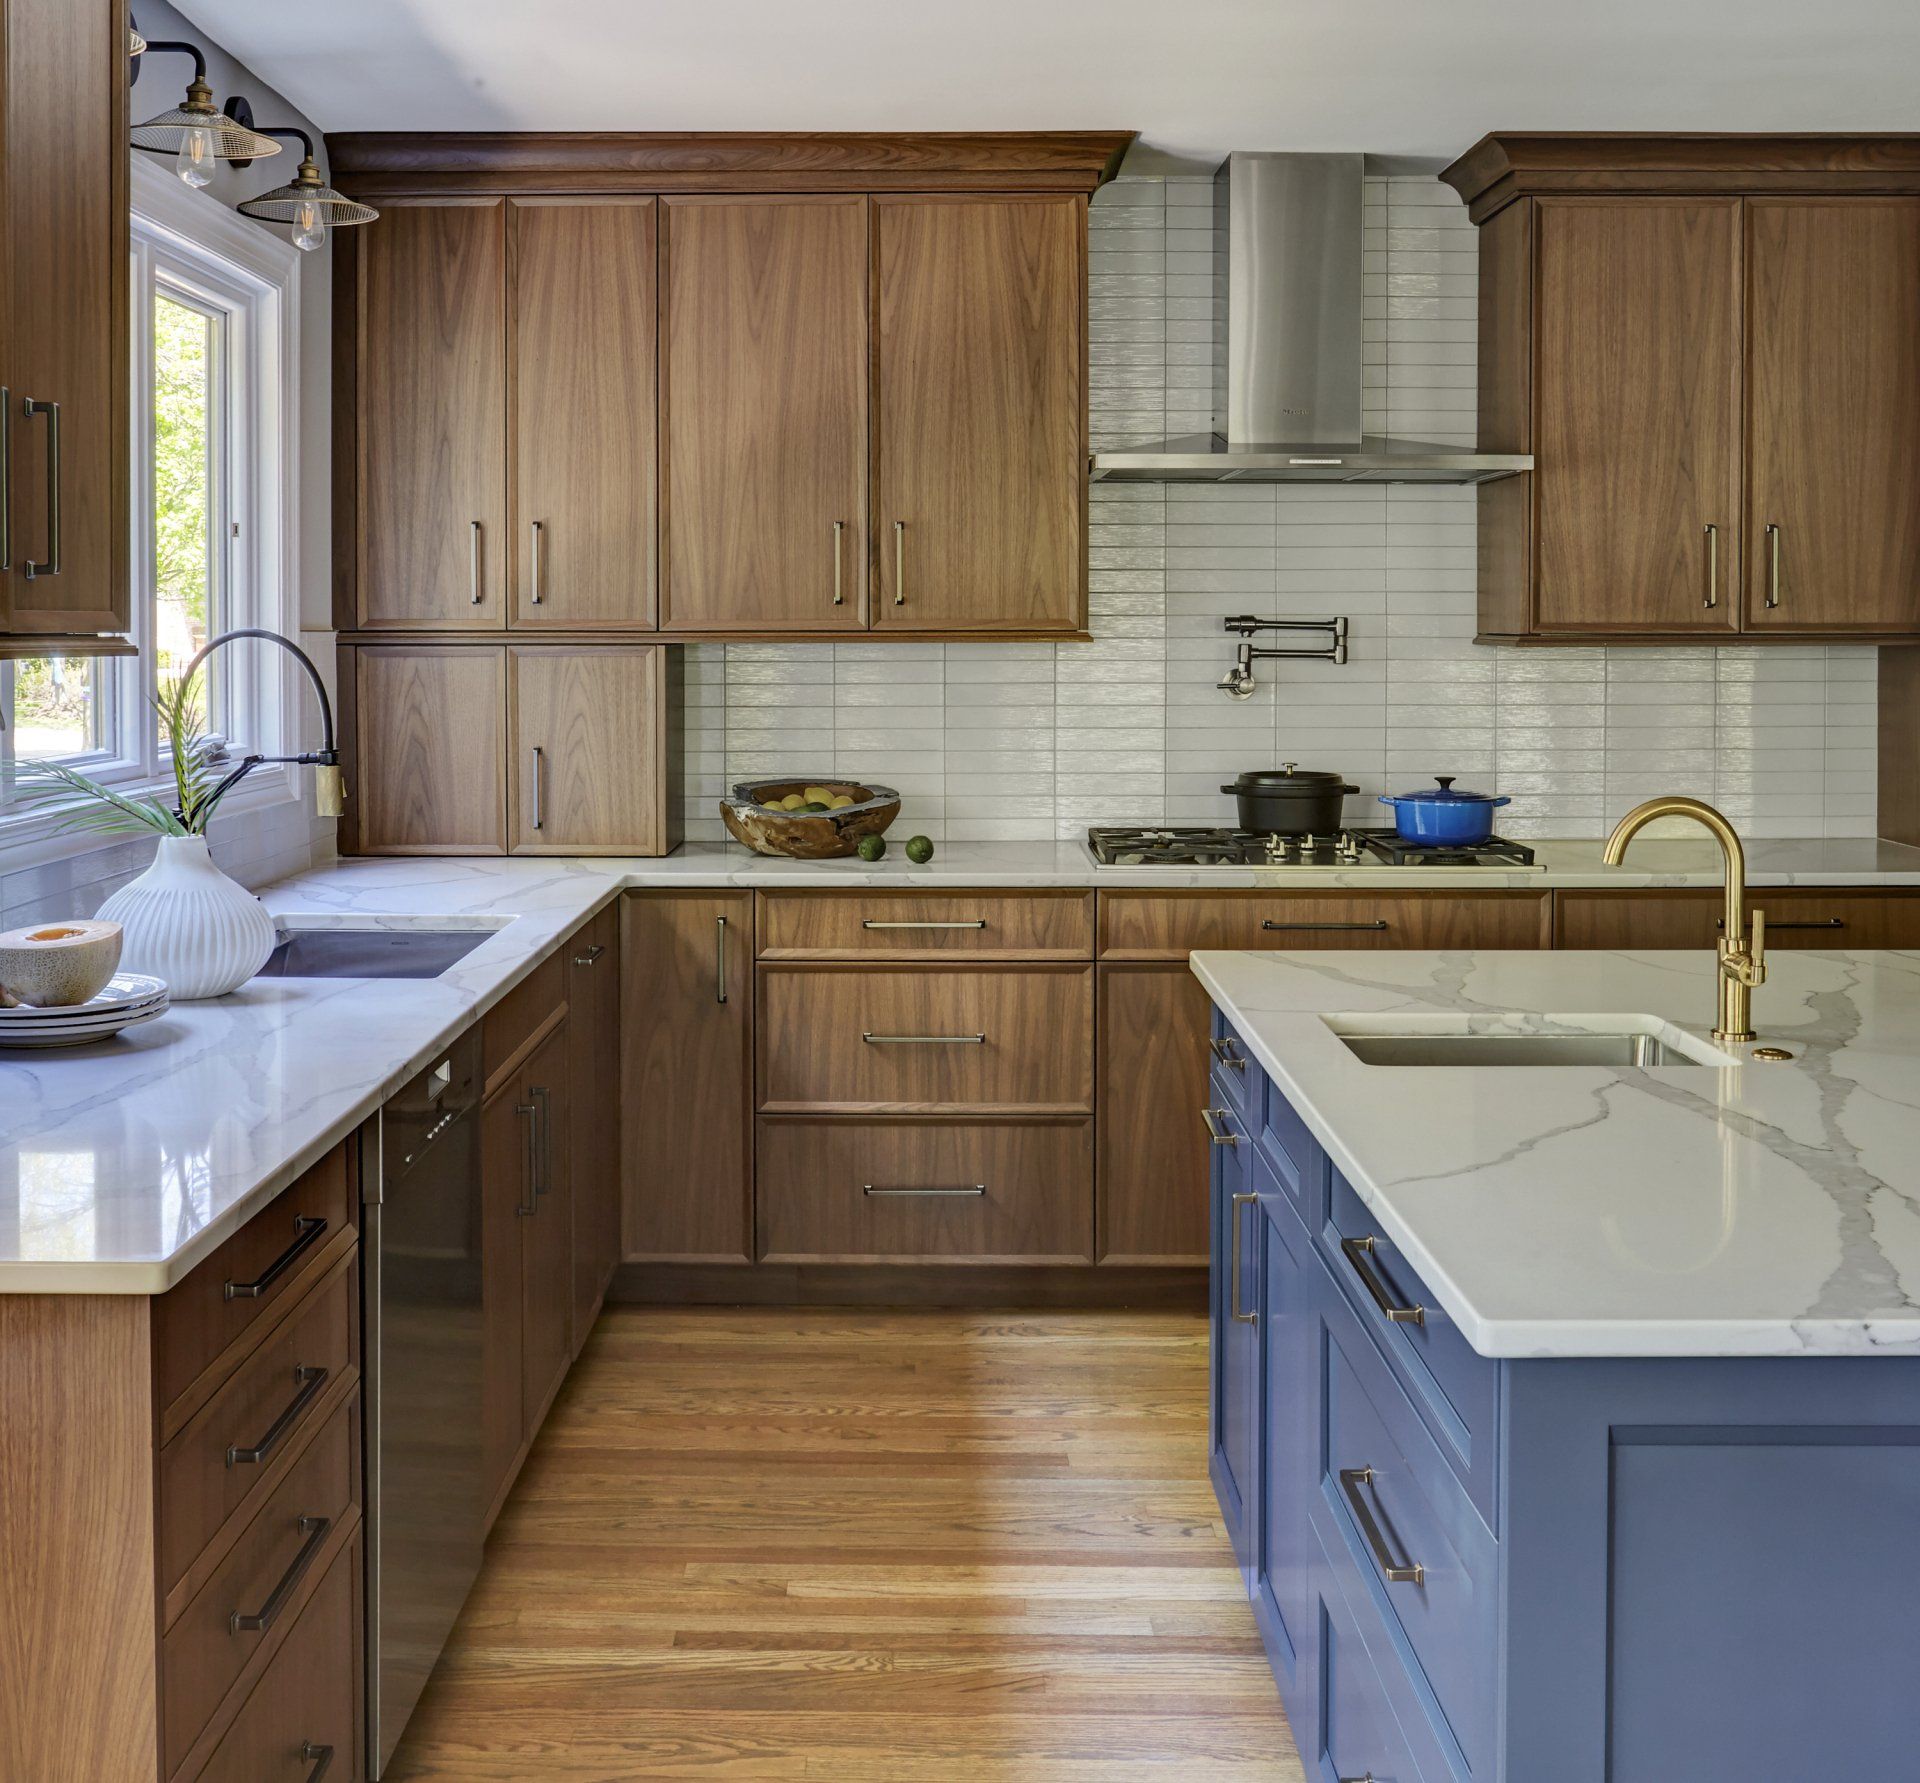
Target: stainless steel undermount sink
378, 950
1617, 1042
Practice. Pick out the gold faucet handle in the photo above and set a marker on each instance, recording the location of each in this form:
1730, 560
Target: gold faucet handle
1757, 948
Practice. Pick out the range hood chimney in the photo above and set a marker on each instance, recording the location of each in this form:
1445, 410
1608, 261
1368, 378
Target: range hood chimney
1286, 345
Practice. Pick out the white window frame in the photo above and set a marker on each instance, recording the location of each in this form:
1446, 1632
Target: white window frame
186, 238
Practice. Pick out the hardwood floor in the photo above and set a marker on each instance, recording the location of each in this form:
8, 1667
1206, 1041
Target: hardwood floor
775, 1543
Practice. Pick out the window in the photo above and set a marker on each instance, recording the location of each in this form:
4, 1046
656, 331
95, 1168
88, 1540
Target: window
214, 353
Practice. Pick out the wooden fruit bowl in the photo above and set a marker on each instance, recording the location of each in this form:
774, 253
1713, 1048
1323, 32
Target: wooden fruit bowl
806, 835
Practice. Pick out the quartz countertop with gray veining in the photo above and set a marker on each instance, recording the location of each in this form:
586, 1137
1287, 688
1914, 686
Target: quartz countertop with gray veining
1767, 1209
123, 1164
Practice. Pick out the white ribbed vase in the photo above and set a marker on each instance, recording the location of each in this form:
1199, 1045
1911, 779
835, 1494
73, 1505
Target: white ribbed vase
186, 922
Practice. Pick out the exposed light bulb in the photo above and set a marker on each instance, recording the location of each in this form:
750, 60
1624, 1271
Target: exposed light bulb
194, 162
309, 227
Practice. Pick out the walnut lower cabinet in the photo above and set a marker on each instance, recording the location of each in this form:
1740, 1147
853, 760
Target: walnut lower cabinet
593, 1075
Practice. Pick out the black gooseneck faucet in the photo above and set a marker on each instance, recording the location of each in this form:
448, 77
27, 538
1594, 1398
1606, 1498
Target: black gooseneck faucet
329, 790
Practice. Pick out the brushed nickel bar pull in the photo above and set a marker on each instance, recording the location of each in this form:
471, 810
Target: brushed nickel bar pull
315, 1530
720, 959
1216, 1131
529, 1166
869, 1188
321, 1758
1324, 927
307, 1228
1773, 928
924, 1039
1223, 1050
899, 563
839, 594
1713, 566
6, 478
978, 922
543, 1122
1358, 1251
1773, 565
1233, 1267
1395, 1572
591, 954
538, 755
51, 567
473, 563
309, 1381
539, 559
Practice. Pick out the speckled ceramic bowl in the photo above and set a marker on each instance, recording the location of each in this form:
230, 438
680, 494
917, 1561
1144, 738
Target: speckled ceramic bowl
54, 965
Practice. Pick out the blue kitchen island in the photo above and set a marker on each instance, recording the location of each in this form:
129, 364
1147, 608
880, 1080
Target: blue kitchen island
1566, 1367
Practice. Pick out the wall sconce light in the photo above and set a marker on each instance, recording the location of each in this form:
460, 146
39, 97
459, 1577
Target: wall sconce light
309, 204
193, 132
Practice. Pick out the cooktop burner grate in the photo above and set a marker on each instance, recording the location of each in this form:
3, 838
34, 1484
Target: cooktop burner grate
1198, 846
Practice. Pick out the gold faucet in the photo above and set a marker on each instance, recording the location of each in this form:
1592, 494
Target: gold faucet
1743, 955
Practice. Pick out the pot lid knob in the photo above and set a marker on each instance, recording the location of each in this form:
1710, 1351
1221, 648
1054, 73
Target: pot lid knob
1289, 767
1446, 782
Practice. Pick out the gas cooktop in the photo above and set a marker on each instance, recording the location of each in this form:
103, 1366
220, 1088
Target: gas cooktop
1200, 847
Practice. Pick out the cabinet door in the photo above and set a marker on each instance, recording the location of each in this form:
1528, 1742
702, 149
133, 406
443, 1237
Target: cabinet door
980, 413
1234, 1287
686, 1076
546, 1231
593, 1022
1152, 1194
507, 1137
764, 414
1833, 427
63, 316
431, 416
1285, 1546
583, 403
429, 740
1637, 415
588, 764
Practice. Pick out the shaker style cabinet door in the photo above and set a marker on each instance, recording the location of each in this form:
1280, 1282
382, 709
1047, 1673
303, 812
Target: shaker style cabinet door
980, 440
582, 399
429, 741
546, 1231
1833, 415
1637, 427
764, 414
431, 417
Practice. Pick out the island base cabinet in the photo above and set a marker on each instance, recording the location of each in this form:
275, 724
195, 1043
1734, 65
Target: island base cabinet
1233, 1421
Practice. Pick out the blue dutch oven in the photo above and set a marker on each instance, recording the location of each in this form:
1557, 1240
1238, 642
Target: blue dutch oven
1444, 818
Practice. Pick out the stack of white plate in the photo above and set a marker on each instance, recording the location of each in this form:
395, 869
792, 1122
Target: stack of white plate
129, 999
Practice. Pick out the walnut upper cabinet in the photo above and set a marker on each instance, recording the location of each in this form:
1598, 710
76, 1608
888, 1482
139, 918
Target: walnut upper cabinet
1708, 345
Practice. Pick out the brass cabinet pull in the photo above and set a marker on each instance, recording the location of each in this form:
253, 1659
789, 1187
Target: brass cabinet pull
1358, 1251
473, 563
539, 559
315, 1530
1395, 1572
1773, 565
309, 1381
1713, 566
1233, 1266
321, 1758
307, 1228
1216, 1131
924, 1039
1223, 1050
592, 954
839, 594
868, 1188
529, 1169
720, 959
899, 563
538, 757
978, 922
1315, 927
51, 567
6, 478
543, 1122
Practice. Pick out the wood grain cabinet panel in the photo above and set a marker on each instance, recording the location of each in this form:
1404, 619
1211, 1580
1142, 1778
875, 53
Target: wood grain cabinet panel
926, 1191
430, 412
1833, 442
593, 1024
506, 1142
1170, 925
979, 433
764, 417
854, 925
686, 1075
926, 1039
581, 301
1796, 917
546, 1232
429, 733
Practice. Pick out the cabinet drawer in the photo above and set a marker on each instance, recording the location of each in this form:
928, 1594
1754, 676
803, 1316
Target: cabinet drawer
307, 1701
270, 1260
1237, 1075
512, 1021
204, 1652
926, 1191
1454, 1387
1170, 925
1381, 1464
1295, 1155
922, 1039
1360, 1736
848, 925
205, 1471
1795, 918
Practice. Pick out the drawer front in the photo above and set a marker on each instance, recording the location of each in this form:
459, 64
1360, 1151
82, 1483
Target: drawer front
1298, 1163
307, 1701
1234, 1071
1170, 925
1807, 917
1454, 1388
240, 1442
1388, 1499
271, 1258
1360, 1735
514, 1020
251, 1593
922, 1039
933, 1191
851, 925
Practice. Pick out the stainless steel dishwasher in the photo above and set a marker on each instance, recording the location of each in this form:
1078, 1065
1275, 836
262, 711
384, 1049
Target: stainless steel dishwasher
420, 1240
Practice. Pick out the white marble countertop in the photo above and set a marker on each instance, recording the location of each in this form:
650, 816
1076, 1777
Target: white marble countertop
123, 1164
1770, 1209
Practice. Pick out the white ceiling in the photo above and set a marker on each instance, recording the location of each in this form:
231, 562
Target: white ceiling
1406, 77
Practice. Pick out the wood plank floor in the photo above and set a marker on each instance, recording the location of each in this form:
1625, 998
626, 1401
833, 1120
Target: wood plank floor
776, 1543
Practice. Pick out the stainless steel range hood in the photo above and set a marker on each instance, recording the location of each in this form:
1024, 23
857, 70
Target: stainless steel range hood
1287, 345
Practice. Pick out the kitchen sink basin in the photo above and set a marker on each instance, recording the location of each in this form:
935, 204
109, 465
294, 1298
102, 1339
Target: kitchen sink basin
1624, 1041
371, 952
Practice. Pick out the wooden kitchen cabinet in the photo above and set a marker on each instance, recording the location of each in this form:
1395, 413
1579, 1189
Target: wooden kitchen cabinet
427, 725
763, 414
980, 413
65, 564
1863, 917
686, 1075
593, 1025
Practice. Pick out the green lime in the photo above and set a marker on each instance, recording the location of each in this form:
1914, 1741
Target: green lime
871, 848
812, 808
919, 850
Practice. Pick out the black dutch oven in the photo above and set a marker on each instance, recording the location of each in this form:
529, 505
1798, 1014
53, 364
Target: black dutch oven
1290, 800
